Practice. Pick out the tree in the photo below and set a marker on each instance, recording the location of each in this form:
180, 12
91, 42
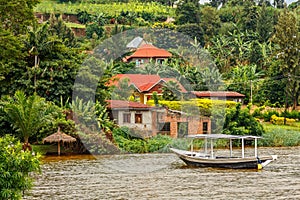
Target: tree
123, 91
210, 22
171, 91
16, 165
12, 61
26, 114
94, 28
287, 40
17, 15
243, 79
58, 27
265, 23
212, 78
187, 13
240, 122
193, 31
52, 66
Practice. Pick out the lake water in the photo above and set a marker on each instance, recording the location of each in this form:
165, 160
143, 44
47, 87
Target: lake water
164, 176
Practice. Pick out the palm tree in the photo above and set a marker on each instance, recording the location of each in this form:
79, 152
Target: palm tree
27, 114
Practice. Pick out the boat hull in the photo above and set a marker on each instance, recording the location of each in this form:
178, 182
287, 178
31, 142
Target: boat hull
232, 163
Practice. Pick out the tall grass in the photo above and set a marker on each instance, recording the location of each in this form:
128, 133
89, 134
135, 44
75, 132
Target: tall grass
280, 136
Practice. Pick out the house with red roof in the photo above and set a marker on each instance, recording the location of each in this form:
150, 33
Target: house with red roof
150, 121
145, 85
147, 52
220, 95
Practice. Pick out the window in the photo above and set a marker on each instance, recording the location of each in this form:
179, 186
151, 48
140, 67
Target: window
205, 127
126, 117
138, 118
165, 127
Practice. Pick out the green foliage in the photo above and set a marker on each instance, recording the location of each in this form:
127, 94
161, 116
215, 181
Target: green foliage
123, 91
95, 142
109, 8
281, 120
193, 31
287, 40
17, 15
155, 98
187, 13
171, 91
128, 141
51, 65
202, 106
58, 27
240, 122
15, 166
278, 136
94, 30
27, 114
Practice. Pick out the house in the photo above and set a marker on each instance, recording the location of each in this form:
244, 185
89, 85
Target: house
136, 43
219, 95
150, 121
145, 85
134, 115
146, 53
178, 124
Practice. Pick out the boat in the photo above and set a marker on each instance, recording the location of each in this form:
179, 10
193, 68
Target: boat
208, 158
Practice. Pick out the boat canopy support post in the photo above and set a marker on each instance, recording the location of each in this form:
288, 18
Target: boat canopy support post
243, 148
211, 148
205, 145
230, 144
255, 147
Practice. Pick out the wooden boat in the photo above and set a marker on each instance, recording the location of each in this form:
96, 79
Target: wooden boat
209, 159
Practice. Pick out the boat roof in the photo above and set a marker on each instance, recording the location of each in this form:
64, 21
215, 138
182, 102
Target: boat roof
223, 136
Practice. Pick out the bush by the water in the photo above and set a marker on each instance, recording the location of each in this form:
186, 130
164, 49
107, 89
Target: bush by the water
15, 166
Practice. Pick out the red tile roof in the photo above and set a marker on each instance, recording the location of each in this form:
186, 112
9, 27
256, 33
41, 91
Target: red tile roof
200, 94
149, 51
143, 82
113, 104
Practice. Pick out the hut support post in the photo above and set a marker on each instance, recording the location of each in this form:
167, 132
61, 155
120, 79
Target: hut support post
58, 148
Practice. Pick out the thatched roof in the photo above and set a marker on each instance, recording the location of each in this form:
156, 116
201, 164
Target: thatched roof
59, 137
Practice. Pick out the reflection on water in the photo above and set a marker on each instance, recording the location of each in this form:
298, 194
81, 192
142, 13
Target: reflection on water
164, 176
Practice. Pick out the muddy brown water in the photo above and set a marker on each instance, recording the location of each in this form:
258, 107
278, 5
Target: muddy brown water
164, 176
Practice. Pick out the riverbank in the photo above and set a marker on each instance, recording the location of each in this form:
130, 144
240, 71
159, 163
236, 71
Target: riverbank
274, 136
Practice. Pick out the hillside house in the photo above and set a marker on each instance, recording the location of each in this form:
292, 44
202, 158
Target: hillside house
151, 121
145, 85
220, 95
146, 53
136, 43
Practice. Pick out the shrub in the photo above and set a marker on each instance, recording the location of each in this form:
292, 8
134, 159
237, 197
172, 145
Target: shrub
268, 114
293, 114
94, 28
240, 122
196, 106
15, 166
280, 120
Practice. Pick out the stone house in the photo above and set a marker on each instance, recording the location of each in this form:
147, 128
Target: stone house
151, 121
